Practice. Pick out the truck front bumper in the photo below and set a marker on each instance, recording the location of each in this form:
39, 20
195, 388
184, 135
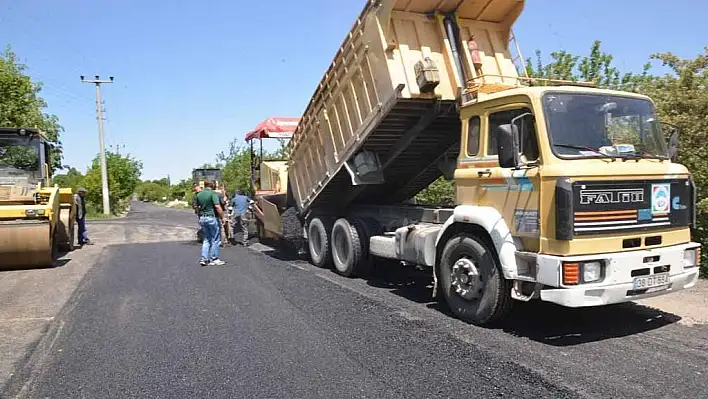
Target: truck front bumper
618, 283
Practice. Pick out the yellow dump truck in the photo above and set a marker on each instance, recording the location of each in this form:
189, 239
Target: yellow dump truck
36, 220
565, 193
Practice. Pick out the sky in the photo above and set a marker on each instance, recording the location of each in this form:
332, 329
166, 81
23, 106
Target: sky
190, 77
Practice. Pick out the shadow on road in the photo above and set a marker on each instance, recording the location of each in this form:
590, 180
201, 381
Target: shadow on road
59, 261
539, 321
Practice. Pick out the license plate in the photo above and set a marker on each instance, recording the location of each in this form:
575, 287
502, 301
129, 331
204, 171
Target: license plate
655, 280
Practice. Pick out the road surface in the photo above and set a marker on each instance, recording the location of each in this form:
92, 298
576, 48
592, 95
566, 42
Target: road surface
135, 316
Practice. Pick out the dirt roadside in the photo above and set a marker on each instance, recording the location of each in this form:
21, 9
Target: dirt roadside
690, 304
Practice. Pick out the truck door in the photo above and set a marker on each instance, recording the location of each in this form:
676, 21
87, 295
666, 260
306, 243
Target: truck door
514, 193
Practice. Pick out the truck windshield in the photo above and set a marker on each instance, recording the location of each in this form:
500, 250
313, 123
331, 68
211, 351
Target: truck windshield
594, 125
20, 158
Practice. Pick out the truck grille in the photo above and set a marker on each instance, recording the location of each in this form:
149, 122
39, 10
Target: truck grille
603, 207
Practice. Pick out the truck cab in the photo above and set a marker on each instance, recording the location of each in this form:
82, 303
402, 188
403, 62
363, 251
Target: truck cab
578, 193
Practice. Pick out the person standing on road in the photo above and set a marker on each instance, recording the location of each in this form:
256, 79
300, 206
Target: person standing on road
240, 203
80, 201
208, 207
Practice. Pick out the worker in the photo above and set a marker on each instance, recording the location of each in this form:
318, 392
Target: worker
240, 203
80, 201
223, 236
209, 208
195, 189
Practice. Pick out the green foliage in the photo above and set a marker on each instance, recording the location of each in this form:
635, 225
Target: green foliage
682, 99
72, 178
181, 190
596, 68
440, 192
152, 191
236, 169
123, 178
22, 106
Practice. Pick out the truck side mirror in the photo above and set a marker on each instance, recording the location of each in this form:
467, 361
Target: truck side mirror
508, 146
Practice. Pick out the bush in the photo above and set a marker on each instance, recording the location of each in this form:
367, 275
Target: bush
700, 233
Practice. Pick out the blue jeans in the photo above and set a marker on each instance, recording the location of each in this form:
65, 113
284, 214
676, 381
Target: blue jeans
212, 237
83, 234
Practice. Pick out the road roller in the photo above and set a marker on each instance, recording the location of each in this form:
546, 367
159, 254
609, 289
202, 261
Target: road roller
36, 219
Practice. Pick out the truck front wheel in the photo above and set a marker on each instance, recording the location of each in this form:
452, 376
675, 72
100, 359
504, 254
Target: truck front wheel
472, 281
318, 241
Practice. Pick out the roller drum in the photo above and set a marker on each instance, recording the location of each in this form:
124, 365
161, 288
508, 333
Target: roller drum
25, 244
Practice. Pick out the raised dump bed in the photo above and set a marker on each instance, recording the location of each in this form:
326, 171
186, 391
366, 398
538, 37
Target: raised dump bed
384, 117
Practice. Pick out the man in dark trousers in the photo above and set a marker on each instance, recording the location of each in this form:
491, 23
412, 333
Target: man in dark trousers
80, 201
209, 208
240, 203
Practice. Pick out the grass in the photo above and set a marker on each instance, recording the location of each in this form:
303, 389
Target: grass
94, 212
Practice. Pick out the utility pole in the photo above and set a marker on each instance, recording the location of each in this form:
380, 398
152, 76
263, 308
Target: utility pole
102, 154
118, 147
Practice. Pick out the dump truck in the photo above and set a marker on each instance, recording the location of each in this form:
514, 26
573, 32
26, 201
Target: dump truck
268, 177
36, 219
564, 192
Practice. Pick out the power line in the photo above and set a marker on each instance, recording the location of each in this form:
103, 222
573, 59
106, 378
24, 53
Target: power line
117, 147
102, 153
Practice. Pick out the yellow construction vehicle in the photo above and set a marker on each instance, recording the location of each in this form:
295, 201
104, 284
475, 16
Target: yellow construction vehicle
36, 220
564, 193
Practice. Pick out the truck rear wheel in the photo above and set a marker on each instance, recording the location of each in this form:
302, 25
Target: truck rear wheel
350, 249
318, 241
472, 281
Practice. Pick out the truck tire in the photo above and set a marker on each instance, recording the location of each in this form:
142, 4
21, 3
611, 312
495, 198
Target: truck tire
472, 281
318, 241
367, 228
349, 247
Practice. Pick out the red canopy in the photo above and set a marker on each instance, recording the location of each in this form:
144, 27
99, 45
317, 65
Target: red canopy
274, 128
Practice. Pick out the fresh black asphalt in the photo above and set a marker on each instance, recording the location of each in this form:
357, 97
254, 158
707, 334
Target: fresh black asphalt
149, 322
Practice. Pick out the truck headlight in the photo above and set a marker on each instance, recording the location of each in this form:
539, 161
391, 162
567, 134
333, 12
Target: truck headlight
592, 271
691, 257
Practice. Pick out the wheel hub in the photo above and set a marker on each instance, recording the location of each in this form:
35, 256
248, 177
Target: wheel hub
466, 279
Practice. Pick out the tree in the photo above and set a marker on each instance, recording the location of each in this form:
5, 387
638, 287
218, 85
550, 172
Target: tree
236, 170
22, 106
72, 178
152, 191
181, 190
123, 178
439, 192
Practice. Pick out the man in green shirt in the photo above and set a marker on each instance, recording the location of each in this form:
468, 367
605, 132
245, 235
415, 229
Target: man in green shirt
208, 207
